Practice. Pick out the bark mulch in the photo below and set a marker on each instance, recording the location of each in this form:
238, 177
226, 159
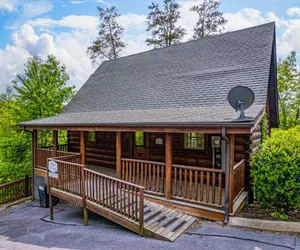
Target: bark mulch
254, 211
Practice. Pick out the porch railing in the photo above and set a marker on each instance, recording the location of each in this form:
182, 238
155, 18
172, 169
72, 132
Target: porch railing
95, 189
69, 174
44, 153
119, 196
60, 147
198, 185
238, 178
149, 174
15, 190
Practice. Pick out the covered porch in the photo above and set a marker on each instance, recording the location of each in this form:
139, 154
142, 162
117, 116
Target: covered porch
207, 192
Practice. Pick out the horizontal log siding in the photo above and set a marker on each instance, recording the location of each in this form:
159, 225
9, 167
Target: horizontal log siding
102, 152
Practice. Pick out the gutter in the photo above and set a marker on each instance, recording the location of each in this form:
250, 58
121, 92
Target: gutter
233, 124
225, 163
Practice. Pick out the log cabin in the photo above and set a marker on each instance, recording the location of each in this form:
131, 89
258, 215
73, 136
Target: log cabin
158, 125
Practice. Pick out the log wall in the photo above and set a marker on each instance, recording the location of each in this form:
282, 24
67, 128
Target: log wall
102, 152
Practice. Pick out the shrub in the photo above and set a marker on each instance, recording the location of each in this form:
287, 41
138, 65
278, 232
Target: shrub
276, 170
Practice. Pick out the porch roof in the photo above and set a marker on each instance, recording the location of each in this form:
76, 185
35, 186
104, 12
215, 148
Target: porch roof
176, 116
185, 83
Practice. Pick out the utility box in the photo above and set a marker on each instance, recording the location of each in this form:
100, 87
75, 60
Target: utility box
44, 196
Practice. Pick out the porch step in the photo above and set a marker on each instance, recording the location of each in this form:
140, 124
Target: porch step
164, 222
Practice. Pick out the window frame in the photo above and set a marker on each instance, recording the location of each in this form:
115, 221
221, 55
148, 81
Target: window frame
89, 138
185, 137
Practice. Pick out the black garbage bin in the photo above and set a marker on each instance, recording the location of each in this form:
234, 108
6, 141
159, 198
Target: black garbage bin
44, 196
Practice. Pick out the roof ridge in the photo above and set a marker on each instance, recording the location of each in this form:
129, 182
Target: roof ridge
189, 41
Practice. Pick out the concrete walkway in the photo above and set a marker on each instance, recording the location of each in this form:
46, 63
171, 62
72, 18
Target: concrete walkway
21, 227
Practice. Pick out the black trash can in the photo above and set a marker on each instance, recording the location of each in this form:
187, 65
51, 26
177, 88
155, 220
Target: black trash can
44, 196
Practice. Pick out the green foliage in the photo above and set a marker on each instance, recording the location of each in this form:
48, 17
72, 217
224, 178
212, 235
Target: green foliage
289, 91
263, 128
162, 24
41, 91
108, 44
281, 216
276, 171
210, 20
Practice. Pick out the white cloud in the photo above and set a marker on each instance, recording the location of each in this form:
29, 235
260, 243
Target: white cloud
294, 11
33, 9
73, 21
87, 1
77, 2
9, 5
40, 36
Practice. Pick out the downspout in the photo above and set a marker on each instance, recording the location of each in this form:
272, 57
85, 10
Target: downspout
32, 168
225, 165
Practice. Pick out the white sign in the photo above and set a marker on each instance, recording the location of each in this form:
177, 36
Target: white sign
159, 141
53, 169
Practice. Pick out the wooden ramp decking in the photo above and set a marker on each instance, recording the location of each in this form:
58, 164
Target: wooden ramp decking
164, 222
121, 204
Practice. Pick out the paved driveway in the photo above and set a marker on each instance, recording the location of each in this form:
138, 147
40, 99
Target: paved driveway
21, 227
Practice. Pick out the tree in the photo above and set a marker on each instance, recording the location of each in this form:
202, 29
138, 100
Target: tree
108, 44
289, 91
162, 23
210, 20
41, 91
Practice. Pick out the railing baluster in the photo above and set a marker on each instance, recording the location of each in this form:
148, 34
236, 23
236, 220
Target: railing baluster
191, 185
196, 185
213, 187
220, 188
207, 186
175, 183
202, 186
185, 183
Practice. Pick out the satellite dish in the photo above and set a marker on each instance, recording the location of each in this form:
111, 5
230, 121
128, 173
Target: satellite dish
240, 98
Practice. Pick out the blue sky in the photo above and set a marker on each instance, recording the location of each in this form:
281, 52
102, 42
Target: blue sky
66, 27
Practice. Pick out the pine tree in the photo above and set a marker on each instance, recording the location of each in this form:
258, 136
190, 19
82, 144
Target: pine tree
108, 44
210, 20
162, 24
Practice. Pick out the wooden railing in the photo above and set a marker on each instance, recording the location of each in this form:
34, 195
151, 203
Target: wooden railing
121, 197
69, 175
198, 185
149, 174
44, 153
238, 178
61, 147
15, 190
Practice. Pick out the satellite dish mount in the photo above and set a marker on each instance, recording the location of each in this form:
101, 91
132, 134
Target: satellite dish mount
241, 98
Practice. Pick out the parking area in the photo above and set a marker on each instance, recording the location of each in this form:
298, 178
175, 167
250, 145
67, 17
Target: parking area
27, 226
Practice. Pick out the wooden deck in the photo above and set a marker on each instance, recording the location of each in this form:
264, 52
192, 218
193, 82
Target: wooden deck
159, 221
140, 199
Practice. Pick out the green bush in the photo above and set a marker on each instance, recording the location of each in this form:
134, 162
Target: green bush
276, 170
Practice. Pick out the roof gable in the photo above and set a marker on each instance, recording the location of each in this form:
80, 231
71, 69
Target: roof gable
195, 74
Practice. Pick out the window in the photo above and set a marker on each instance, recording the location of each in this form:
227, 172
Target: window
91, 137
139, 139
194, 141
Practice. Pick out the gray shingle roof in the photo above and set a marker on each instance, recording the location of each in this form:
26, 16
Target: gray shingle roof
188, 82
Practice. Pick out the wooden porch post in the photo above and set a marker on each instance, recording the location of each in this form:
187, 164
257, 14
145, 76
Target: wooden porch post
55, 142
168, 160
83, 159
231, 183
34, 158
82, 147
118, 153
